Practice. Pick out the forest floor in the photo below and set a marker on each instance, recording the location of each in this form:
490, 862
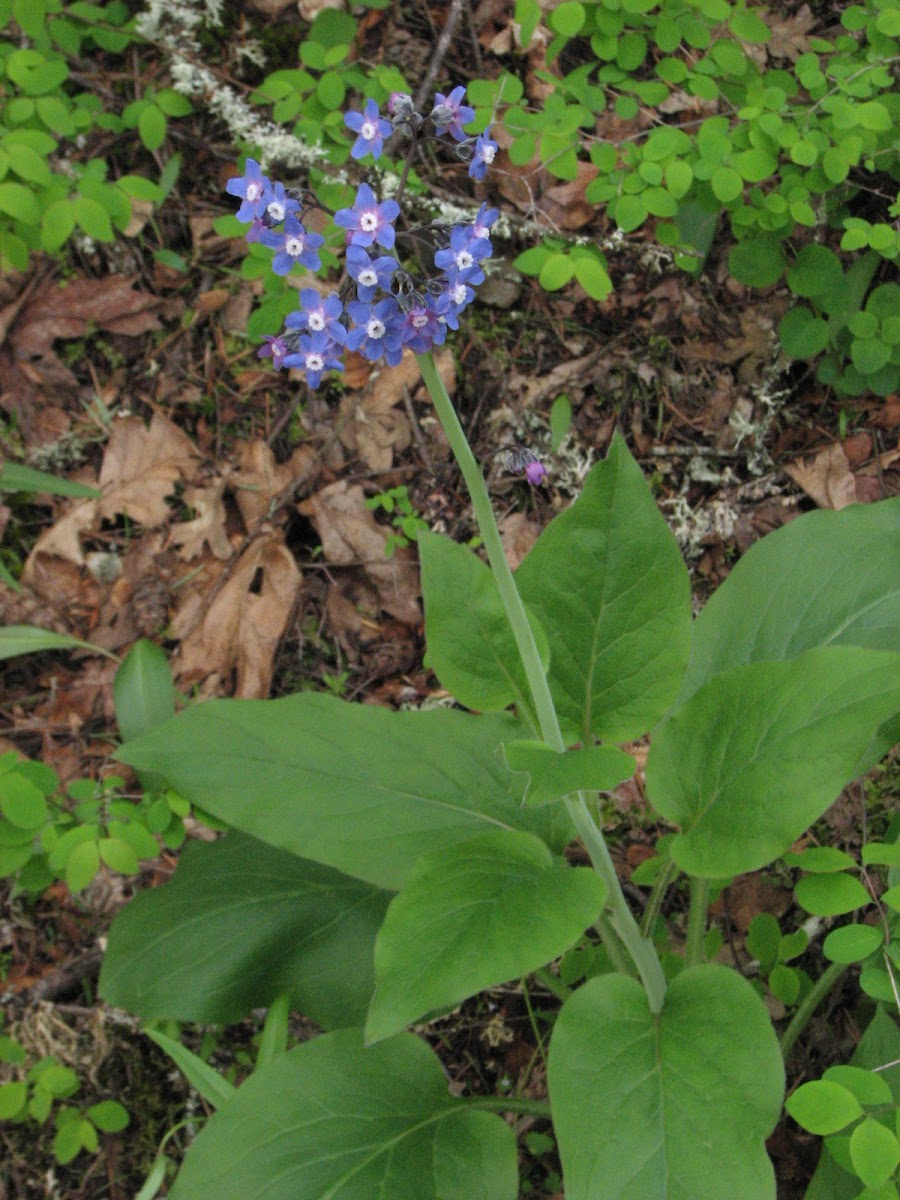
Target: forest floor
241, 529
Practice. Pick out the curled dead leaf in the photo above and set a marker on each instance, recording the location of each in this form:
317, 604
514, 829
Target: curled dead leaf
826, 478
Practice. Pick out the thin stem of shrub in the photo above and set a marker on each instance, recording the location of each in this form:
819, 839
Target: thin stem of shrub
640, 950
656, 897
810, 1002
696, 928
614, 946
552, 984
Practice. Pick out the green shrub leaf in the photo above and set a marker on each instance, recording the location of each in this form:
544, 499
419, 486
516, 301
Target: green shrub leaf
240, 923
831, 895
663, 1107
795, 730
823, 1107
355, 787
472, 917
608, 584
332, 1118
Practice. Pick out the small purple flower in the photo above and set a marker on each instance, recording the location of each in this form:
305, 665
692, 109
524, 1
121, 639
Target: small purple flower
257, 228
457, 296
521, 460
422, 329
278, 205
450, 114
318, 314
294, 246
484, 219
464, 254
378, 330
275, 349
369, 274
371, 129
485, 149
251, 187
535, 473
315, 355
368, 221
402, 108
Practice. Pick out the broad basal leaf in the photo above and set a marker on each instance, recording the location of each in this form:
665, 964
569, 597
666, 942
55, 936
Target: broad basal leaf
359, 788
759, 753
607, 582
331, 1120
143, 692
554, 774
239, 924
473, 916
471, 647
668, 1107
827, 578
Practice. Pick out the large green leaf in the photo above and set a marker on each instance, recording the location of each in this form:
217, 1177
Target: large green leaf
473, 916
240, 923
14, 477
758, 753
827, 578
554, 774
668, 1107
608, 584
331, 1120
471, 647
357, 787
29, 639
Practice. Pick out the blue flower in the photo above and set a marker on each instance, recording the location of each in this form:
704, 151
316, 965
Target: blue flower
456, 296
450, 114
275, 348
368, 221
378, 330
294, 246
422, 329
315, 355
464, 254
371, 128
485, 149
484, 219
278, 205
251, 187
369, 274
319, 314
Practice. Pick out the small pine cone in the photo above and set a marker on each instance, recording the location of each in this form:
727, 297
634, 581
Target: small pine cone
150, 604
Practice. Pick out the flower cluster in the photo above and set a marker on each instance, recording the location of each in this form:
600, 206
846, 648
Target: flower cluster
383, 307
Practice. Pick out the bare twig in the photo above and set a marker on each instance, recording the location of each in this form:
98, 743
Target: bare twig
440, 51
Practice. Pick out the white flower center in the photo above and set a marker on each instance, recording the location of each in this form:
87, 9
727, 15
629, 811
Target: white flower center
254, 191
294, 246
276, 211
375, 328
464, 260
368, 131
315, 362
487, 154
316, 322
420, 320
368, 277
368, 221
458, 293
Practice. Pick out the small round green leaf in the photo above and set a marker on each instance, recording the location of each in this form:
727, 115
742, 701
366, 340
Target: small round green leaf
757, 261
869, 355
82, 865
726, 184
823, 1107
21, 802
831, 895
874, 1152
556, 272
869, 1087
118, 855
57, 223
109, 1115
821, 860
802, 334
631, 211
13, 1097
852, 943
152, 127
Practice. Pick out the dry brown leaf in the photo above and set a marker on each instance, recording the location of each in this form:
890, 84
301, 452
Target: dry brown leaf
258, 479
207, 528
68, 310
518, 534
244, 623
352, 537
789, 38
826, 478
141, 466
63, 538
565, 206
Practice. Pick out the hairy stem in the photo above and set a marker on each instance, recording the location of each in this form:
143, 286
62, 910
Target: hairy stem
556, 986
642, 953
696, 928
656, 897
810, 1002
